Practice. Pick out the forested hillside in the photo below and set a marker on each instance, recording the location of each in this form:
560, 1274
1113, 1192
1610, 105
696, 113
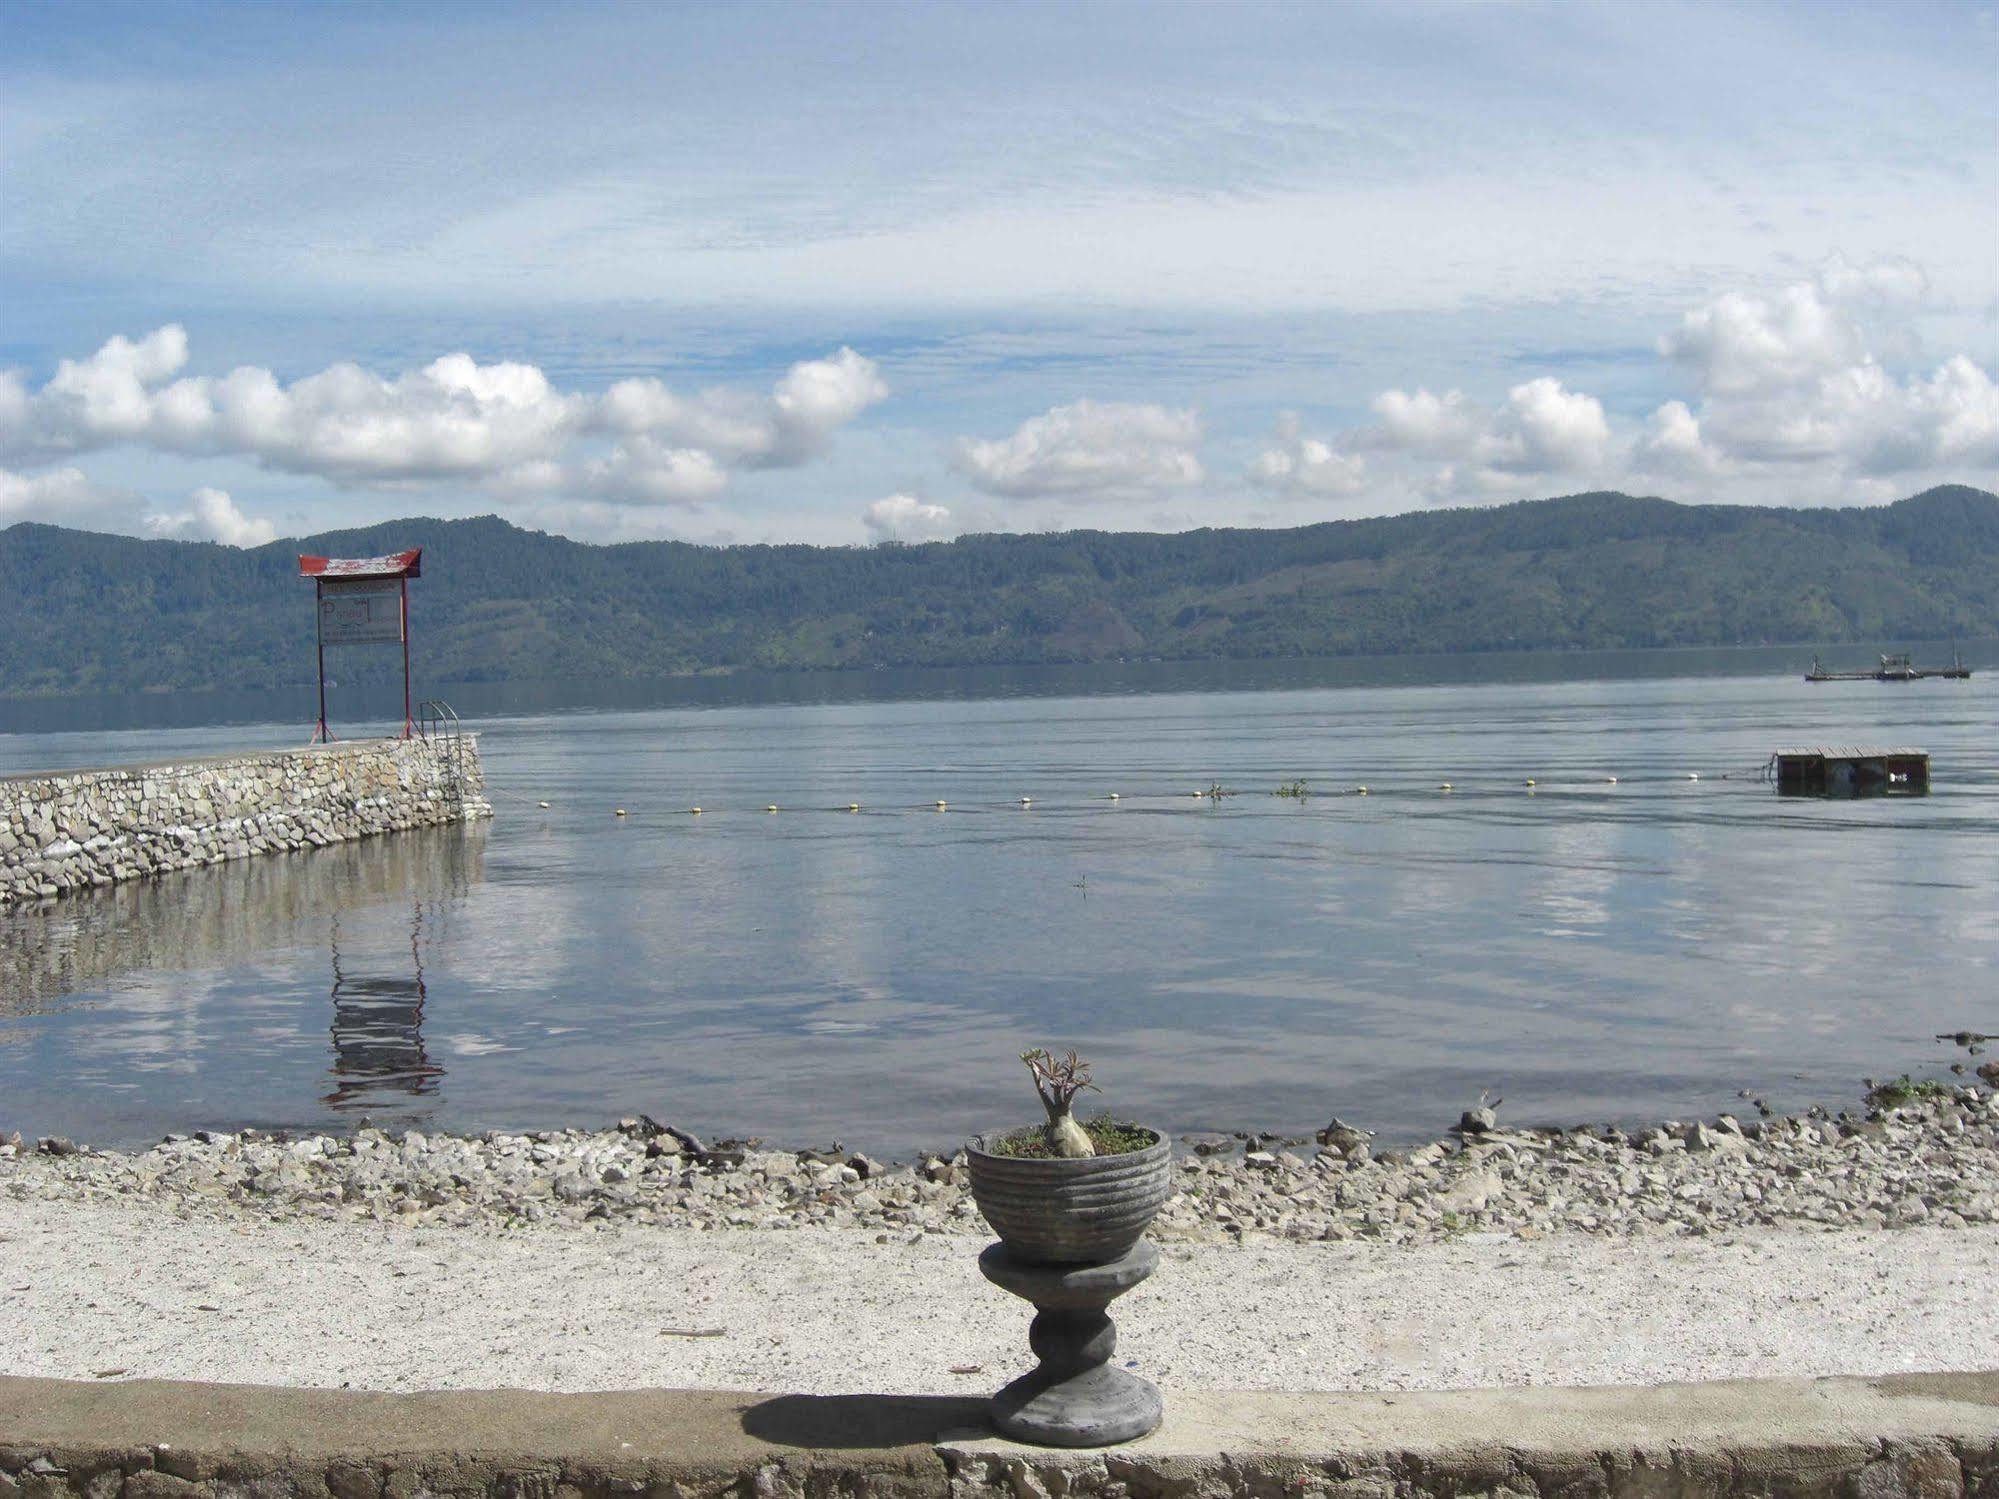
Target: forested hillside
86, 612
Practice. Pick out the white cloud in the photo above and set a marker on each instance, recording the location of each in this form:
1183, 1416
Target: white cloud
903, 517
793, 423
1545, 429
212, 516
1800, 379
1434, 426
1306, 467
59, 497
501, 425
1541, 429
1673, 443
1089, 449
644, 471
67, 497
1789, 385
1740, 343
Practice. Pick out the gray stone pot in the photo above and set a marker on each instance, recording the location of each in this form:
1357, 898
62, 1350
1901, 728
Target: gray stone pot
1071, 1212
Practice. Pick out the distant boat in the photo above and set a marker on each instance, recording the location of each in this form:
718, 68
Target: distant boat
1897, 667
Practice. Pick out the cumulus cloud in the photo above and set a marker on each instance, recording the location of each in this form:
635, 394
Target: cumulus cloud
1541, 430
212, 516
1800, 378
640, 471
67, 497
1786, 383
502, 425
795, 422
1088, 450
1302, 466
58, 497
1434, 426
1673, 443
1545, 428
903, 517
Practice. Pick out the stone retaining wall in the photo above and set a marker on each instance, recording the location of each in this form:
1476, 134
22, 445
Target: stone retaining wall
1908, 1437
76, 829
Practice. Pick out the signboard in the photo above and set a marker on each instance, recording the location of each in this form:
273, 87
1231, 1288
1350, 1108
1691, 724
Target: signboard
362, 601
361, 611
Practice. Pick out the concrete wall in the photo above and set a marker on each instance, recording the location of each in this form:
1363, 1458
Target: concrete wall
1910, 1437
77, 829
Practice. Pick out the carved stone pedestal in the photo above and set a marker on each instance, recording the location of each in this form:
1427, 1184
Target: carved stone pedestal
1075, 1398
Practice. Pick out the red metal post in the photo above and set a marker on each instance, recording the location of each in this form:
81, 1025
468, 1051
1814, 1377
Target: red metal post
320, 735
408, 727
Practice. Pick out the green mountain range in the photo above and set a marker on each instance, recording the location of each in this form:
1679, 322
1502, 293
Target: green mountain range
84, 612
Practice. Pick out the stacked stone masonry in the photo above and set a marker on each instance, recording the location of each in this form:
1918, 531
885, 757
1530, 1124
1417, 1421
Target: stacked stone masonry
77, 829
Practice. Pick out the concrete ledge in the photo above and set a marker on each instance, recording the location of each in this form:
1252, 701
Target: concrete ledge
1927, 1436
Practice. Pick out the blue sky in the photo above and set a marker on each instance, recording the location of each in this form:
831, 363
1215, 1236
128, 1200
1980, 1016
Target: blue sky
849, 272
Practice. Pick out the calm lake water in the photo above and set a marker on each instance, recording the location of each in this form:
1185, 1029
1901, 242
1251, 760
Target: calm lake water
1586, 951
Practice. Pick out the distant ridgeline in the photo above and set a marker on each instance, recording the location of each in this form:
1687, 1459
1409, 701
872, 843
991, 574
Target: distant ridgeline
83, 612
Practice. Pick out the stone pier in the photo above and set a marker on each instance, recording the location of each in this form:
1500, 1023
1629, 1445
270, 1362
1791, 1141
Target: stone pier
71, 830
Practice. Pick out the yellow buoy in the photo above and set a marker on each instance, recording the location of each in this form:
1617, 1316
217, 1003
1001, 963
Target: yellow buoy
544, 806
1445, 787
693, 811
1530, 781
1610, 780
620, 812
1115, 797
1693, 775
941, 804
771, 808
853, 806
1360, 791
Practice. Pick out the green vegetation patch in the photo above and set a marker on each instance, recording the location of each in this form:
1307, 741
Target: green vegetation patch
82, 612
1110, 1136
1901, 1090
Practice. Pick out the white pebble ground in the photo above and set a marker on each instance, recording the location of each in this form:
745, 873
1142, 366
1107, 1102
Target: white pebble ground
88, 1288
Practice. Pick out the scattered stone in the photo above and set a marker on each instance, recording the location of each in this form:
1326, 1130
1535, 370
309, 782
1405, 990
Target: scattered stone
1932, 1157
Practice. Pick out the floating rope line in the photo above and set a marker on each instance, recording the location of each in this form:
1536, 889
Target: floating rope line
1216, 793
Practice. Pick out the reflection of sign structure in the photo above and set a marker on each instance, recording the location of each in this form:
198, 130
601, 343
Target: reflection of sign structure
378, 1051
362, 601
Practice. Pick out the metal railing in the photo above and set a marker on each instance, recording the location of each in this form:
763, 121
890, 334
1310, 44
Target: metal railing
437, 724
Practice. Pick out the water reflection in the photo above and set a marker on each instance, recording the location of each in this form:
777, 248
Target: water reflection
213, 918
378, 1051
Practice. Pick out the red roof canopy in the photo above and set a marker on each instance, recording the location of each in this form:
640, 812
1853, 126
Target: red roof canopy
396, 565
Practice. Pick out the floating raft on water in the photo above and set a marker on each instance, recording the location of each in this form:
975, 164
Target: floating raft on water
1851, 771
1893, 668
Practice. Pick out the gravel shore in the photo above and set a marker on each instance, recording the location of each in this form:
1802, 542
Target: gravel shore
118, 1289
1927, 1157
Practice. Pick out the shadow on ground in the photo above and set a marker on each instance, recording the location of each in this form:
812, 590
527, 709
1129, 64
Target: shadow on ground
863, 1420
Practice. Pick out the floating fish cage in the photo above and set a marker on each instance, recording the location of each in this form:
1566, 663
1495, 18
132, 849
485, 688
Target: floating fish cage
1848, 771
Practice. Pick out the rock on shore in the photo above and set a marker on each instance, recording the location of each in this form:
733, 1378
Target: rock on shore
1931, 1160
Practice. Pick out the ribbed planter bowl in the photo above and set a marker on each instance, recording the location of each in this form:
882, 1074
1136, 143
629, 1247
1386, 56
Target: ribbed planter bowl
1070, 1212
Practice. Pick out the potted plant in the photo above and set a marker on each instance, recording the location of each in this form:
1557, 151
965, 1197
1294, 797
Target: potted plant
1065, 1192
